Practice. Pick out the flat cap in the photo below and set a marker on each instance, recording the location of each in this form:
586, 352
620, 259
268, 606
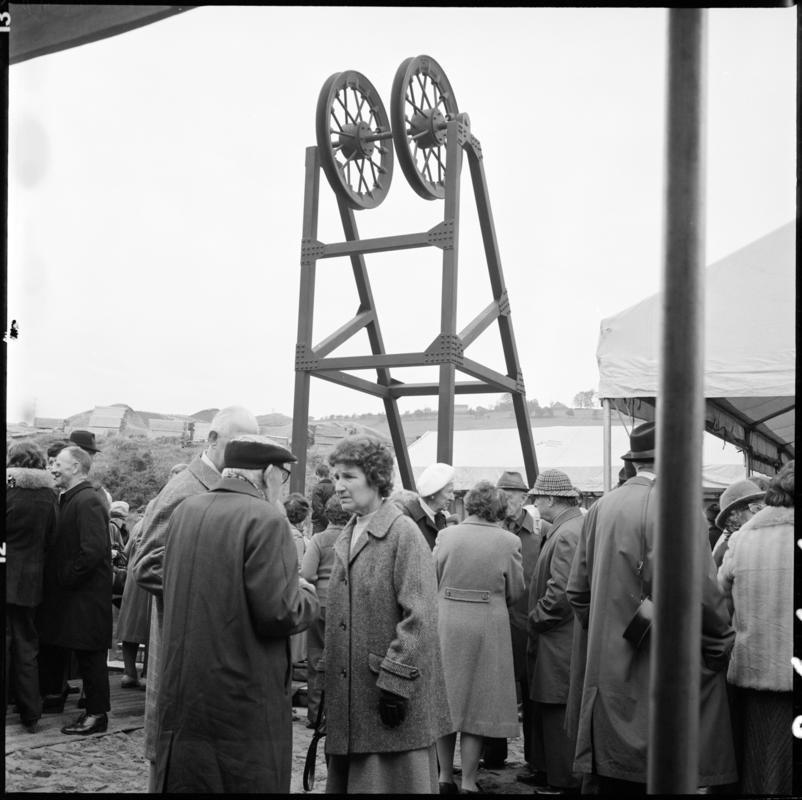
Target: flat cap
244, 454
553, 483
119, 508
434, 478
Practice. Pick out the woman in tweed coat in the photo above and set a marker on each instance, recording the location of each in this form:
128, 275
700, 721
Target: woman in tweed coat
757, 576
385, 692
480, 574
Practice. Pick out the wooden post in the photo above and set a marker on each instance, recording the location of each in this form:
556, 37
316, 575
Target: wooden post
676, 628
608, 445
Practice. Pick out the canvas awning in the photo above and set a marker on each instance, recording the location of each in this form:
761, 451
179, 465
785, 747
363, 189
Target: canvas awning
750, 351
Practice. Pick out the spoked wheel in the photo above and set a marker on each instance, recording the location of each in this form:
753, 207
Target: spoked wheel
422, 103
353, 137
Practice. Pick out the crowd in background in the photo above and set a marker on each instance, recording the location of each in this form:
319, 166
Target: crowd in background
528, 615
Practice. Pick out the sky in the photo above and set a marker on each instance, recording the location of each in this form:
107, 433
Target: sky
156, 192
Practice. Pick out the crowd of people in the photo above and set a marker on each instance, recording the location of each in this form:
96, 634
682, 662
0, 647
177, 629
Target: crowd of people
521, 614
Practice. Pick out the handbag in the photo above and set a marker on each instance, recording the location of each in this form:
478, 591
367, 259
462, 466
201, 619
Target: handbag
311, 753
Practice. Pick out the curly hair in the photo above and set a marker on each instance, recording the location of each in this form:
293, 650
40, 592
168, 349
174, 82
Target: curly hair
371, 456
26, 454
297, 507
486, 502
54, 448
781, 487
334, 511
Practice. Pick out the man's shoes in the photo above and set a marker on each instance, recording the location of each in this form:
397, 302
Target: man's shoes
53, 703
448, 787
128, 682
533, 779
32, 726
86, 724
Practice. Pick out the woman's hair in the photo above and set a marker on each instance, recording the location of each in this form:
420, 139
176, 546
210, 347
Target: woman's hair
371, 456
26, 454
322, 470
297, 507
486, 502
781, 487
334, 511
54, 448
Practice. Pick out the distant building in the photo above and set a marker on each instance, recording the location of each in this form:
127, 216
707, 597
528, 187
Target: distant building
201, 431
169, 428
49, 423
107, 420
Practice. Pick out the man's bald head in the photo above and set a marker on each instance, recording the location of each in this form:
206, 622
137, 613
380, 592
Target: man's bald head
227, 424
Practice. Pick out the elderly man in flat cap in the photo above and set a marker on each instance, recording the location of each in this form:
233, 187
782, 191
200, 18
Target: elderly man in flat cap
202, 473
551, 631
429, 510
232, 597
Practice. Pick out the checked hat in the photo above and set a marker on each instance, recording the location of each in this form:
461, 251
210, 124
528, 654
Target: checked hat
553, 483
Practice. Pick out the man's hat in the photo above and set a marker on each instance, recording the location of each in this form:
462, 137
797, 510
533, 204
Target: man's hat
553, 483
245, 454
740, 493
434, 478
119, 508
641, 443
85, 440
513, 481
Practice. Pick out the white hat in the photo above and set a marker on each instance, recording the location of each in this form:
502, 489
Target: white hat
434, 478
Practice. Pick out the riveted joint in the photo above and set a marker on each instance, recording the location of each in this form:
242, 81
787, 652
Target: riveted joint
311, 249
304, 360
447, 348
519, 384
504, 304
442, 235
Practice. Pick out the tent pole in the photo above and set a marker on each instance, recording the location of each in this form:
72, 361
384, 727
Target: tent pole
673, 766
608, 446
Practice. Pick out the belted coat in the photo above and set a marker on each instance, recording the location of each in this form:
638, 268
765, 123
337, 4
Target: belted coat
231, 600
76, 605
604, 588
381, 633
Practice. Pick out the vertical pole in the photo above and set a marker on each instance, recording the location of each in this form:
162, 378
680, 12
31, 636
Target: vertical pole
306, 307
608, 445
676, 635
448, 307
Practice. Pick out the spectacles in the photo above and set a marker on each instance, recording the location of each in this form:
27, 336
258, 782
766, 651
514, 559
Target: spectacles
285, 473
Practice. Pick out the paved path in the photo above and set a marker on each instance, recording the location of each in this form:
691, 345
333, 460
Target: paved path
49, 761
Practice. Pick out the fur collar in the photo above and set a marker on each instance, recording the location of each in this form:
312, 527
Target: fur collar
770, 516
24, 478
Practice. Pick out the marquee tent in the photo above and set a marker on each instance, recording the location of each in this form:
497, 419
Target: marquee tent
750, 351
576, 449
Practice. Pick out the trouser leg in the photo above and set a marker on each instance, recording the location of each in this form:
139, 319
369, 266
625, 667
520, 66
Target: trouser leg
95, 674
314, 677
24, 661
53, 661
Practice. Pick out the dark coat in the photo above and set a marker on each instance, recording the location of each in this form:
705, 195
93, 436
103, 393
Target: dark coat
76, 606
551, 618
414, 510
231, 600
604, 588
381, 633
30, 522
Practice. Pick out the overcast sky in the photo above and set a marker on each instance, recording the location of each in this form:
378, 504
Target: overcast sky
156, 189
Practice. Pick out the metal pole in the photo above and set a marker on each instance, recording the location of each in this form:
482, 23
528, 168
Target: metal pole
676, 634
608, 445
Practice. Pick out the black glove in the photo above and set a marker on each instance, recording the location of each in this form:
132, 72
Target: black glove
392, 708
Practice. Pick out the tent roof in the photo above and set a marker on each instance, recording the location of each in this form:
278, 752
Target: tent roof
576, 449
38, 29
750, 349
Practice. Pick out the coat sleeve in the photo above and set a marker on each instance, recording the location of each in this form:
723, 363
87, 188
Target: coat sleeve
718, 636
148, 566
577, 589
514, 575
279, 605
311, 562
553, 607
415, 588
93, 542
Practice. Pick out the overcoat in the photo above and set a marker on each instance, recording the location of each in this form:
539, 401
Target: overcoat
381, 633
147, 569
414, 510
604, 588
231, 599
551, 618
757, 577
76, 604
30, 522
133, 624
479, 574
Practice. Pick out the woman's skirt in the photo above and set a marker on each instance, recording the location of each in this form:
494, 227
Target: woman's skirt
766, 719
408, 772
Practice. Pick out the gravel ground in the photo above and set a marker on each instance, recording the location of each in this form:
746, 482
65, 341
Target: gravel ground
113, 762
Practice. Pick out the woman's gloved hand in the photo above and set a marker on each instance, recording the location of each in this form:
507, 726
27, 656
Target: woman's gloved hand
392, 708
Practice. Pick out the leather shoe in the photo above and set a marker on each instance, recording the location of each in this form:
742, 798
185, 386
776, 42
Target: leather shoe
533, 779
448, 787
127, 682
53, 703
32, 726
87, 723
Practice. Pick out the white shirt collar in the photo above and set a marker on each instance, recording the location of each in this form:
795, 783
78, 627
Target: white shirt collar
427, 509
208, 461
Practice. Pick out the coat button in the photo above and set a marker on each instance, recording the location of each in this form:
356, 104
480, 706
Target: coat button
344, 674
343, 626
485, 595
